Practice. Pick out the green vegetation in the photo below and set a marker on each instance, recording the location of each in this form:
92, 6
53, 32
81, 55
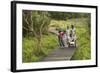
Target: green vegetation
30, 50
35, 24
38, 40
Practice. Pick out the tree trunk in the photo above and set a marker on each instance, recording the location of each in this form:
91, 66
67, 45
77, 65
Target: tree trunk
40, 50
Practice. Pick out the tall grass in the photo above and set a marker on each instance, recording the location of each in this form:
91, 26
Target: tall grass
49, 42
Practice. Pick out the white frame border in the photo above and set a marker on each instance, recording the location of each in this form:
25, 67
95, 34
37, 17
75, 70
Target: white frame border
38, 65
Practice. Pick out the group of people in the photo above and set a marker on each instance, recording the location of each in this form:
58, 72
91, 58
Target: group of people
66, 37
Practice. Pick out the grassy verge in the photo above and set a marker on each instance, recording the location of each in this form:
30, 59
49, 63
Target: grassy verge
49, 42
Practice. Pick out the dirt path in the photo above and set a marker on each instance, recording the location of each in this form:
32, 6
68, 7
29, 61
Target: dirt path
60, 54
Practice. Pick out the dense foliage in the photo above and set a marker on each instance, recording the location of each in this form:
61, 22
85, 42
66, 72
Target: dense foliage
37, 24
68, 15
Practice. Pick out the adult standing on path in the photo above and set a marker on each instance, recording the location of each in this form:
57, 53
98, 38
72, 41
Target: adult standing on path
73, 32
72, 38
67, 35
60, 38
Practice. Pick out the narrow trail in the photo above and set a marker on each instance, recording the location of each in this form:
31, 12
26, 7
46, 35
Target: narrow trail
59, 54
